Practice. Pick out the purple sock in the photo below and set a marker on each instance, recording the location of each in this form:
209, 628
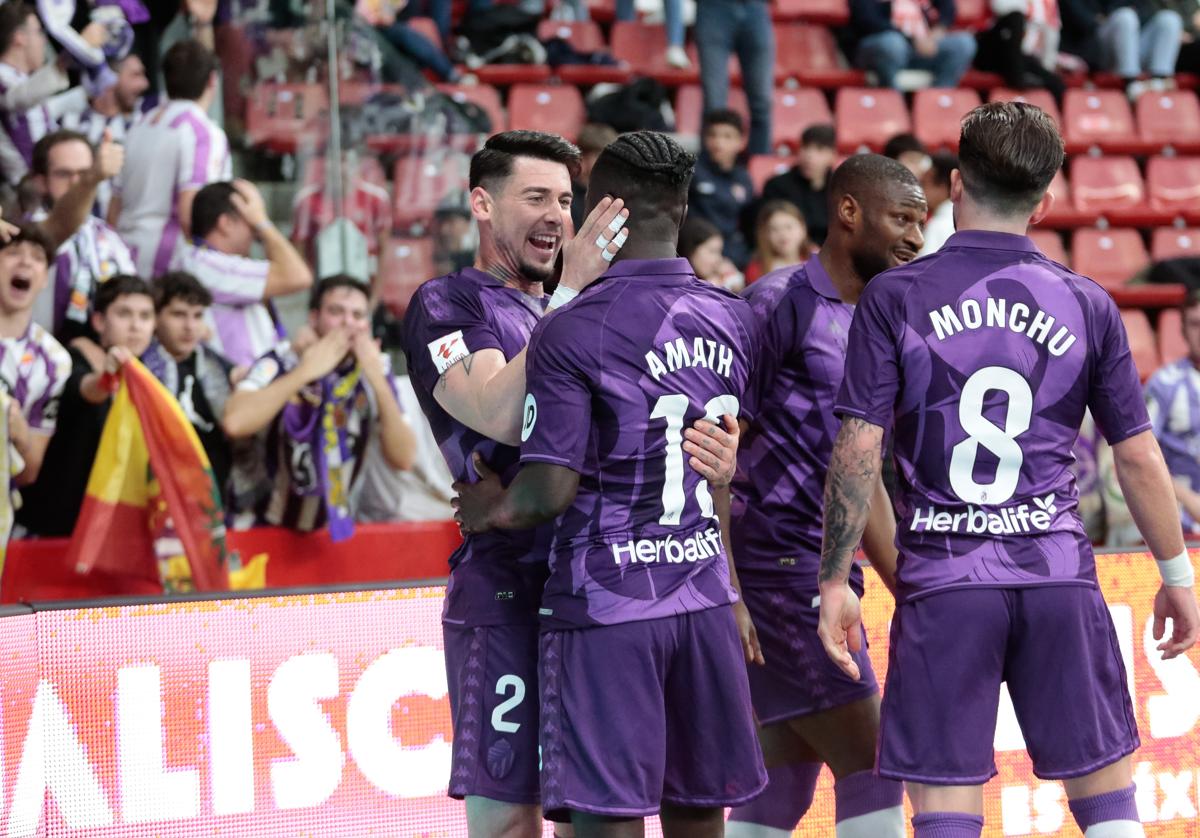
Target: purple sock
1111, 806
862, 793
947, 825
787, 797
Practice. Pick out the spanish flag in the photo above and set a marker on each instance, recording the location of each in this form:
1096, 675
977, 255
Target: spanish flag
151, 483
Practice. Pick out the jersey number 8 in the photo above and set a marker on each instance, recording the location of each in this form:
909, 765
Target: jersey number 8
1000, 441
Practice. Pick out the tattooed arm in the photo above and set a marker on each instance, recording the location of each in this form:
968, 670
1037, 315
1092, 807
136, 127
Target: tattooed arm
485, 392
853, 475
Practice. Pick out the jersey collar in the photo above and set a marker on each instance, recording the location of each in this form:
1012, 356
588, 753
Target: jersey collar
989, 240
819, 279
650, 267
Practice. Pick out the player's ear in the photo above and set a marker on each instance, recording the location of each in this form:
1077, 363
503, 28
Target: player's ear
848, 211
1043, 208
956, 186
481, 204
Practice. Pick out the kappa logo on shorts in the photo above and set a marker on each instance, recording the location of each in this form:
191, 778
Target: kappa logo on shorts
448, 351
530, 417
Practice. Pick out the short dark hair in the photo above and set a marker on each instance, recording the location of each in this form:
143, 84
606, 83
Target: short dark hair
861, 176
494, 162
40, 164
901, 143
941, 165
33, 234
822, 134
13, 15
186, 69
650, 172
210, 203
595, 137
722, 116
694, 232
121, 285
1008, 154
333, 282
180, 285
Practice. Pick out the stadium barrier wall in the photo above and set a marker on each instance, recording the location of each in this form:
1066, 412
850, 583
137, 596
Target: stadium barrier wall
325, 713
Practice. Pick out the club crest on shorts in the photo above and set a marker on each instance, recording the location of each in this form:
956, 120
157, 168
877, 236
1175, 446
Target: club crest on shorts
530, 419
500, 759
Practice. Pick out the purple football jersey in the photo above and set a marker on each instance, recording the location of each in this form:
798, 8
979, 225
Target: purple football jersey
782, 461
983, 358
496, 577
614, 379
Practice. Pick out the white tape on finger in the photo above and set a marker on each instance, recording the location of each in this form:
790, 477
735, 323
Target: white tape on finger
619, 238
601, 242
617, 223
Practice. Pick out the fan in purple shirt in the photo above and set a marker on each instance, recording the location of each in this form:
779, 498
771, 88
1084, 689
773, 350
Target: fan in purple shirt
980, 361
811, 713
465, 338
639, 612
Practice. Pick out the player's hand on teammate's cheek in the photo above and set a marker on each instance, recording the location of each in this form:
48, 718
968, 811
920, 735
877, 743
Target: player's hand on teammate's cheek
583, 260
713, 450
748, 634
474, 502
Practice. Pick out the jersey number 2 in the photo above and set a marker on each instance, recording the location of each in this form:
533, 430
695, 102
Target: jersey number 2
1000, 441
673, 408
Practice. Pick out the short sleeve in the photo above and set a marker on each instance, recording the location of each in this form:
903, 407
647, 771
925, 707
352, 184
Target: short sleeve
557, 415
1116, 394
42, 415
445, 323
872, 379
232, 280
262, 372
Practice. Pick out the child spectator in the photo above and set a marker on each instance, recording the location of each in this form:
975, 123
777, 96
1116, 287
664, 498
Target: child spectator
123, 317
909, 152
782, 240
34, 367
721, 186
804, 185
95, 253
320, 409
226, 220
701, 244
198, 377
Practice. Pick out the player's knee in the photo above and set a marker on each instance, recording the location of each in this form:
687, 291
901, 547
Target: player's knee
488, 818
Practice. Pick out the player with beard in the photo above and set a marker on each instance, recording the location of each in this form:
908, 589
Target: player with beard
980, 360
465, 338
811, 713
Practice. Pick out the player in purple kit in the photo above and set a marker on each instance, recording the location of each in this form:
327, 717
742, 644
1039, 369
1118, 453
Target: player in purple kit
644, 701
980, 360
465, 337
811, 713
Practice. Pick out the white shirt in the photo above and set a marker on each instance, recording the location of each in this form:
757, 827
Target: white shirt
939, 228
242, 326
175, 148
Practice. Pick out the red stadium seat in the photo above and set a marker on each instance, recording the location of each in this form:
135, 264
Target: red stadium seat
792, 111
1170, 118
689, 108
1099, 118
1171, 345
825, 12
1173, 184
404, 265
1142, 343
869, 117
643, 47
1170, 243
810, 55
1063, 213
1113, 187
422, 182
937, 116
1051, 244
763, 167
555, 108
1111, 257
1040, 98
278, 116
483, 95
972, 14
585, 36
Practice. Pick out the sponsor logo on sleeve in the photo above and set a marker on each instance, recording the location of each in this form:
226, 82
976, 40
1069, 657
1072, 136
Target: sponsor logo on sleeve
530, 417
448, 351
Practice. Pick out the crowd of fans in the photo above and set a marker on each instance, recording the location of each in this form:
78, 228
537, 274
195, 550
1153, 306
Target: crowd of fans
128, 235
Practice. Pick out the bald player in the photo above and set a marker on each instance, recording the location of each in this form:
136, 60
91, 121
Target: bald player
981, 360
810, 712
645, 704
465, 338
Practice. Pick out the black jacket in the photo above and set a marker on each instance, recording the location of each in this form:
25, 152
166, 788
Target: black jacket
718, 197
812, 203
868, 17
